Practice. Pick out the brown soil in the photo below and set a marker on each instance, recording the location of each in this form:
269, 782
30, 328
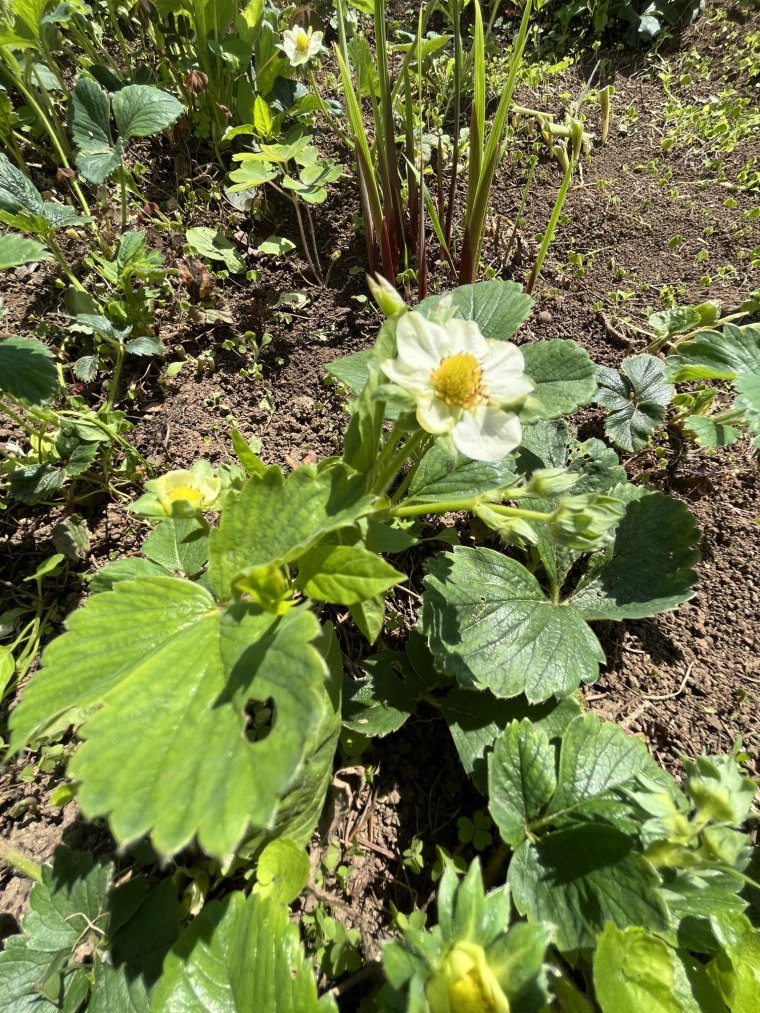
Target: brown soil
688, 681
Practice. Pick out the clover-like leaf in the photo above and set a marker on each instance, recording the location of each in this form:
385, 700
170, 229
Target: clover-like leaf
490, 625
168, 693
638, 397
497, 307
141, 110
240, 953
27, 370
276, 518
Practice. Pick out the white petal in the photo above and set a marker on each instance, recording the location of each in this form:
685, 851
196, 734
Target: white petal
410, 379
503, 371
487, 434
421, 344
465, 336
435, 416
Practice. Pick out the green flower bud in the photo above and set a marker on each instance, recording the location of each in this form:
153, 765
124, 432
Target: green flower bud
551, 482
385, 295
268, 586
584, 522
466, 984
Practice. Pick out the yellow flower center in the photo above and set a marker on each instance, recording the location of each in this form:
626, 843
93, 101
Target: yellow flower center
459, 380
187, 494
302, 42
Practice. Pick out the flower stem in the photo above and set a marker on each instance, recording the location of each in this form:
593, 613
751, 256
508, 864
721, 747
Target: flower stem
20, 862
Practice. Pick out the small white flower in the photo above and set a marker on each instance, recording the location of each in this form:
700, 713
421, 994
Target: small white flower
462, 383
300, 46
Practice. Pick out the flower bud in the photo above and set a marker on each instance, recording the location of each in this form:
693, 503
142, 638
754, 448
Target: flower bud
385, 295
196, 81
584, 522
466, 984
548, 482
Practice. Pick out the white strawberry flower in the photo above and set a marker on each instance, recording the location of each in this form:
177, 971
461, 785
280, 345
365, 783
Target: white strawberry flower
300, 46
462, 383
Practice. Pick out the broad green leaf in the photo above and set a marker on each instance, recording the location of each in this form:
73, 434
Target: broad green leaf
521, 779
239, 954
251, 174
213, 244
145, 345
262, 118
98, 161
141, 110
27, 371
476, 719
276, 518
352, 370
748, 385
282, 871
638, 397
276, 246
583, 877
17, 192
713, 355
497, 307
344, 574
116, 989
736, 970
651, 566
490, 625
173, 677
178, 544
677, 320
71, 898
369, 617
90, 115
16, 250
28, 14
564, 375
709, 433
634, 971
443, 474
381, 702
595, 758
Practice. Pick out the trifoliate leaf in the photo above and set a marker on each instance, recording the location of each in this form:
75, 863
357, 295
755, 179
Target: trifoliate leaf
27, 371
497, 307
490, 625
638, 397
239, 954
563, 373
16, 250
583, 877
141, 110
175, 678
276, 518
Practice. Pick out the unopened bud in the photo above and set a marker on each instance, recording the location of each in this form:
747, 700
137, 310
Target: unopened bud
584, 522
548, 482
196, 81
385, 295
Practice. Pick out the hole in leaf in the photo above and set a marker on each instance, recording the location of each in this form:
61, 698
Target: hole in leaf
259, 719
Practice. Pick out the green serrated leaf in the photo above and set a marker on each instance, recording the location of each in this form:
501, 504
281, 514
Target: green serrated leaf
582, 878
521, 779
276, 518
564, 375
17, 192
141, 110
194, 746
27, 370
444, 474
213, 244
90, 115
17, 250
344, 574
638, 397
490, 625
239, 954
497, 307
651, 566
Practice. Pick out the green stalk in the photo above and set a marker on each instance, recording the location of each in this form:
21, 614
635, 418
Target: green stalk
551, 226
113, 387
20, 862
477, 202
458, 71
